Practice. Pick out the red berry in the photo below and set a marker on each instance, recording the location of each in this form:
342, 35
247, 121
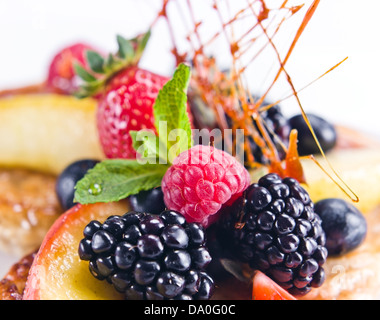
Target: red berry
201, 180
127, 104
264, 288
61, 77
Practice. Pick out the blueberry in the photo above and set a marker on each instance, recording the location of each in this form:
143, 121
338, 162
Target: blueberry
67, 180
151, 201
344, 225
323, 129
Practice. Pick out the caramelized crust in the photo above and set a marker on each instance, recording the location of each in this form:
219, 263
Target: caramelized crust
28, 207
13, 284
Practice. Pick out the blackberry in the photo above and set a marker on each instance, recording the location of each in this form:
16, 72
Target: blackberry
273, 228
278, 130
149, 257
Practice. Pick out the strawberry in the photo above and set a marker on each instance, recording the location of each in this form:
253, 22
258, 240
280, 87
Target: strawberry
264, 288
126, 94
127, 105
61, 77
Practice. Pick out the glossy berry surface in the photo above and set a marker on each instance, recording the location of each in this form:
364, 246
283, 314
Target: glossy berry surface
68, 178
274, 229
324, 131
61, 76
150, 201
344, 225
149, 257
127, 104
201, 180
278, 129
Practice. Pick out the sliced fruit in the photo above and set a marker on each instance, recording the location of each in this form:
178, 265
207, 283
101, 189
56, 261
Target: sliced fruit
263, 288
359, 169
47, 132
57, 272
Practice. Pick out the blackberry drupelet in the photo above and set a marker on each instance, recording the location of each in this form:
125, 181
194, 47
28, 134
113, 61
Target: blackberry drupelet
150, 257
274, 229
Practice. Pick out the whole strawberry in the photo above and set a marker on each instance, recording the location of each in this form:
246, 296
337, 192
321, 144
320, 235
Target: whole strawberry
61, 77
201, 180
125, 93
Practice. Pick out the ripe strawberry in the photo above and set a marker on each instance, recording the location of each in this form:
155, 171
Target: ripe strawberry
264, 288
61, 76
126, 94
127, 104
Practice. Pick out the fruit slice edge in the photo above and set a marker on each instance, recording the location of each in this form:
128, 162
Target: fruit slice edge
264, 288
57, 272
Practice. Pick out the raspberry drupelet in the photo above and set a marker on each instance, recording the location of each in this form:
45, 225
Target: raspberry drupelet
201, 180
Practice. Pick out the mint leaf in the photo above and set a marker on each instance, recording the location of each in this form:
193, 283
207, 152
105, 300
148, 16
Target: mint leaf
116, 179
146, 144
170, 114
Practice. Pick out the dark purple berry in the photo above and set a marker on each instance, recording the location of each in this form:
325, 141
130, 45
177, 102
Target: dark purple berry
146, 256
66, 181
324, 131
150, 201
344, 225
274, 228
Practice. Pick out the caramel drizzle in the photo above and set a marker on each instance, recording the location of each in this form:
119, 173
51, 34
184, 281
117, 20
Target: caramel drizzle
228, 96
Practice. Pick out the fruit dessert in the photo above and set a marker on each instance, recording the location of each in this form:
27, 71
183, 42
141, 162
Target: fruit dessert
186, 187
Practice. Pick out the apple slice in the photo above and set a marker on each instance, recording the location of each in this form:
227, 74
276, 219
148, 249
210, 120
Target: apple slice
47, 132
57, 273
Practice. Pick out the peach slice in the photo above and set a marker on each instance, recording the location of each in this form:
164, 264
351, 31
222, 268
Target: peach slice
57, 273
46, 132
359, 169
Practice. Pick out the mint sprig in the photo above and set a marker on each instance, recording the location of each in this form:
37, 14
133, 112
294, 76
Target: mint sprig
116, 179
171, 121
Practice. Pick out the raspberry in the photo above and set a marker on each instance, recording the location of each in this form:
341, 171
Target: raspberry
274, 229
201, 180
149, 257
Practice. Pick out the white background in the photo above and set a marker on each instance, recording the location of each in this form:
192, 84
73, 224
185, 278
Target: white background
31, 32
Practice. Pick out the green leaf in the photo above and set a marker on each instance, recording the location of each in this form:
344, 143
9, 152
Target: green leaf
141, 43
170, 114
116, 179
96, 61
83, 73
147, 146
126, 50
